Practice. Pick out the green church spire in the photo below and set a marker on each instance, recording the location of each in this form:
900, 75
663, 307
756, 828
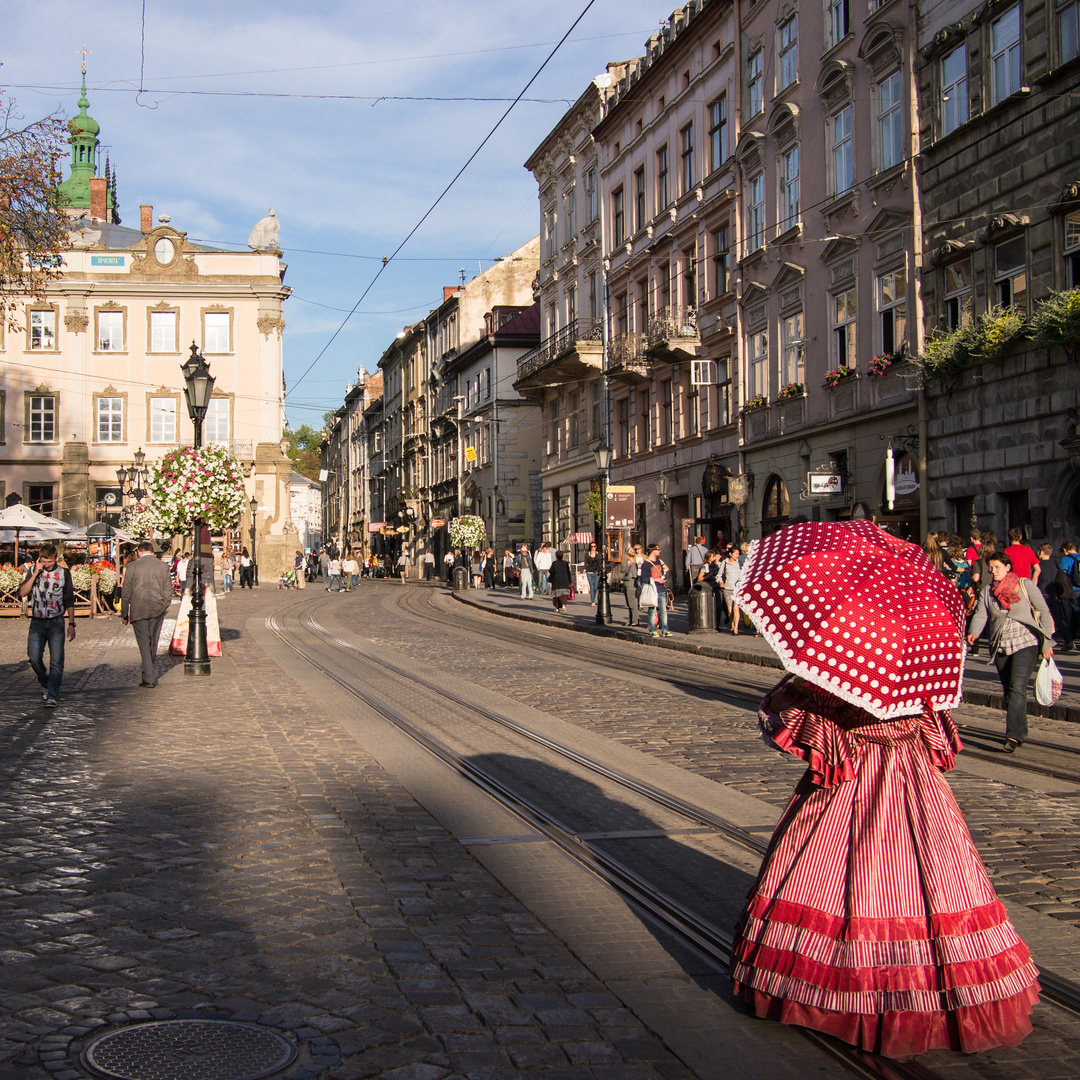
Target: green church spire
84, 129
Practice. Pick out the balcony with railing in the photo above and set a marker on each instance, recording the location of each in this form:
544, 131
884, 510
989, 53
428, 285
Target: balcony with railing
672, 334
627, 359
569, 355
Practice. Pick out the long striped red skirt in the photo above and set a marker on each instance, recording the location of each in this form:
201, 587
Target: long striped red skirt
873, 918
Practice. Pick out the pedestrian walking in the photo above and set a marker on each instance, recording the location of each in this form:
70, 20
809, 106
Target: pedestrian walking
655, 571
429, 565
448, 564
298, 567
696, 554
508, 569
1070, 568
489, 569
144, 605
333, 574
403, 566
52, 600
477, 569
561, 579
628, 574
350, 572
524, 565
1024, 562
324, 565
873, 918
1020, 628
247, 569
227, 566
594, 567
542, 563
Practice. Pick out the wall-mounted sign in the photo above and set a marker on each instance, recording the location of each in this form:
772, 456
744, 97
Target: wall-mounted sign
470, 453
438, 523
376, 526
620, 506
324, 475
738, 489
907, 482
108, 260
825, 483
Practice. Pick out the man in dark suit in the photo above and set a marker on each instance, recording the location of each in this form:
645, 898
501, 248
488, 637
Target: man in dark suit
145, 599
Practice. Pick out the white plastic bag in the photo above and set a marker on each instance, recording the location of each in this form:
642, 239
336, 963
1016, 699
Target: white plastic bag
648, 597
1048, 683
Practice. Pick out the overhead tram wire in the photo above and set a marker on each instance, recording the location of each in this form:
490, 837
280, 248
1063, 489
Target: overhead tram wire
431, 209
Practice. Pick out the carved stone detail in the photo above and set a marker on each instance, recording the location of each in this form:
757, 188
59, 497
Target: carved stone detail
76, 322
267, 324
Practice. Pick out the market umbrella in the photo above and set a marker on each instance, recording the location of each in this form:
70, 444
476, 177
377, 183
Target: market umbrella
19, 518
865, 616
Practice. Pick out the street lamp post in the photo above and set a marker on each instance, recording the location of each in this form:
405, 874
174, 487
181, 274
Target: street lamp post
603, 598
198, 386
254, 504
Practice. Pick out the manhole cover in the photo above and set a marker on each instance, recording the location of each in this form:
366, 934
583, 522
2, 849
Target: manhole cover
189, 1050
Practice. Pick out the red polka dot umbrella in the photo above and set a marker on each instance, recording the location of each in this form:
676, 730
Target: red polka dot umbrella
861, 614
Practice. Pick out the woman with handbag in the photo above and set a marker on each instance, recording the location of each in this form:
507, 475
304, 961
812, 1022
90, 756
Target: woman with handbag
653, 594
1020, 627
729, 573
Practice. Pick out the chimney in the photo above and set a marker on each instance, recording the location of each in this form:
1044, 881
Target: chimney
98, 196
448, 291
146, 218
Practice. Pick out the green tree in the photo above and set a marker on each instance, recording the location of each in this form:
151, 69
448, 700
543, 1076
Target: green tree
304, 450
33, 227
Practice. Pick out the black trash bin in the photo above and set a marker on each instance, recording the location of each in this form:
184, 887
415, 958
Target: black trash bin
460, 580
701, 610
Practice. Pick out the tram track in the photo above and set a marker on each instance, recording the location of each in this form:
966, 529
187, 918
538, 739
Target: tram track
710, 942
746, 689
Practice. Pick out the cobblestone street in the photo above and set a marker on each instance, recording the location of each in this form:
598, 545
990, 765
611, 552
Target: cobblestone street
225, 847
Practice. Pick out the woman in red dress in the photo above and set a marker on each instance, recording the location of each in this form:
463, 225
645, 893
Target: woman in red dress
873, 918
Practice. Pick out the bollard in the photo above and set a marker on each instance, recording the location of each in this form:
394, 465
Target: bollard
460, 581
701, 610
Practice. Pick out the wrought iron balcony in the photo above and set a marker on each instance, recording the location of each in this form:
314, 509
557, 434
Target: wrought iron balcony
561, 344
626, 357
672, 324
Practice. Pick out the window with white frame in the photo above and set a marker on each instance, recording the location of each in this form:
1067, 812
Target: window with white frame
755, 84
41, 418
1072, 250
757, 368
1068, 31
789, 53
788, 203
792, 365
718, 133
721, 262
1005, 55
837, 21
163, 331
958, 309
570, 215
686, 137
590, 192
641, 213
163, 420
663, 187
843, 152
110, 419
216, 336
110, 331
891, 121
618, 217
549, 233
892, 311
216, 424
755, 213
1010, 273
954, 90
843, 328
43, 329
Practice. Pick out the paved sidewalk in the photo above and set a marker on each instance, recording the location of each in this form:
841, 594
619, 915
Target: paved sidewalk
981, 683
221, 847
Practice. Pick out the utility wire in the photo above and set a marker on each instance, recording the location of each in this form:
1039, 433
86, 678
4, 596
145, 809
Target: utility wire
431, 209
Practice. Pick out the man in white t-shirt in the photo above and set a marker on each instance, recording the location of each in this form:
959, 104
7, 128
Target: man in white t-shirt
333, 571
542, 561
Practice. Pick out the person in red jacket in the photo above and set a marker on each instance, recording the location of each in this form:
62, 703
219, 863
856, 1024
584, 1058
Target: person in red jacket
1025, 564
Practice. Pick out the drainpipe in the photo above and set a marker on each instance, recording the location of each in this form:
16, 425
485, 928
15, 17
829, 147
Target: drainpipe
917, 252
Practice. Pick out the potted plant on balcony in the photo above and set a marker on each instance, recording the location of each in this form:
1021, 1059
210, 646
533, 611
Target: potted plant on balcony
881, 363
789, 391
758, 401
837, 375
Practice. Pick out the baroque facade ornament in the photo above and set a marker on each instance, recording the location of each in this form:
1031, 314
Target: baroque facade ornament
267, 324
76, 322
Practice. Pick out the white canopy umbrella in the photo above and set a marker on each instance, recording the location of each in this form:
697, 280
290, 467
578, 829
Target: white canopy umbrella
19, 518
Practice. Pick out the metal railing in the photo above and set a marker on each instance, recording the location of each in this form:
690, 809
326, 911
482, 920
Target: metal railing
627, 353
671, 323
590, 329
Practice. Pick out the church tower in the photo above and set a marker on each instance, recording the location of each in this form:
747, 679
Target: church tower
84, 192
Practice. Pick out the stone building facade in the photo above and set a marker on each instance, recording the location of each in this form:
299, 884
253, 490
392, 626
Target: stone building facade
1000, 177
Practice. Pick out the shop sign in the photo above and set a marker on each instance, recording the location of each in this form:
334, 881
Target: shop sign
825, 483
620, 506
376, 526
738, 489
906, 483
438, 523
470, 453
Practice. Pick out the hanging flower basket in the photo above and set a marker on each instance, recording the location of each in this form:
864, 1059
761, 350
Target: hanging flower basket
467, 531
187, 484
138, 520
838, 375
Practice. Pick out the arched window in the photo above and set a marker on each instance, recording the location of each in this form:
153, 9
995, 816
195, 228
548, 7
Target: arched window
775, 507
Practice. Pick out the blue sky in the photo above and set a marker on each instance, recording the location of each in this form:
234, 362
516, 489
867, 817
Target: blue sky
348, 179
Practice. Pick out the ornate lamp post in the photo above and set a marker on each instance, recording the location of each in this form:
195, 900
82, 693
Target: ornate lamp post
603, 598
198, 386
254, 504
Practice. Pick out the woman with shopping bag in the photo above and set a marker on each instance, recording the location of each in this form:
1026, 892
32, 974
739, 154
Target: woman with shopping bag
1020, 629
